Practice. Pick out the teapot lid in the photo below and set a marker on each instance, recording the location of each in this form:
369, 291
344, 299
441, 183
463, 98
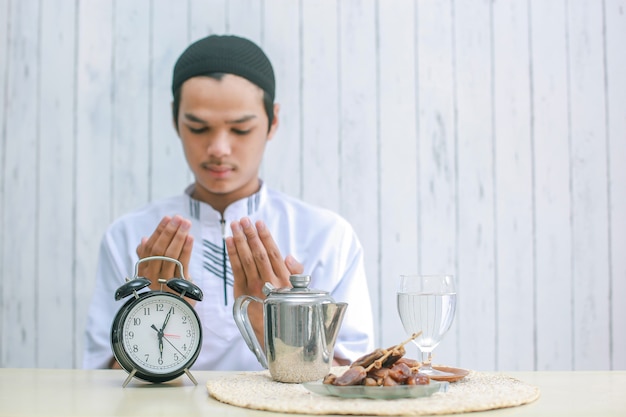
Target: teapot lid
300, 283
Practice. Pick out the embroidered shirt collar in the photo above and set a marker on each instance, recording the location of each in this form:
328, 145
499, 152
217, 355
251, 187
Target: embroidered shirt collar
244, 207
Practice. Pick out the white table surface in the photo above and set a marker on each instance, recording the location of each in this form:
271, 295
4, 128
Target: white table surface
65, 392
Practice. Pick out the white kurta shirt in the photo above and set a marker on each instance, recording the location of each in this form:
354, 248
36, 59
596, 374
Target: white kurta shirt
321, 240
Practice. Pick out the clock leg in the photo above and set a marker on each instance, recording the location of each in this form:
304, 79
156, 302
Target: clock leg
130, 376
191, 377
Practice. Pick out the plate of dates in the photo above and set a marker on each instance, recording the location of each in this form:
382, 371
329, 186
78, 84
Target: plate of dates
381, 374
377, 392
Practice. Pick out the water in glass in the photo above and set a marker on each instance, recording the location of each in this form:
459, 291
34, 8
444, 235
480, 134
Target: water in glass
427, 304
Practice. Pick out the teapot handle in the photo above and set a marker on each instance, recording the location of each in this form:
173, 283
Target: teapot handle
240, 314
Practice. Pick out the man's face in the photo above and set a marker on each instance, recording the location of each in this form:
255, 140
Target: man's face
223, 128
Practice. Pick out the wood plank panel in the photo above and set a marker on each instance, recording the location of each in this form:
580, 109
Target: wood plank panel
4, 63
93, 207
282, 44
359, 144
437, 171
590, 278
398, 162
20, 184
615, 33
169, 172
551, 154
513, 188
495, 182
206, 17
245, 18
476, 273
319, 108
131, 125
55, 214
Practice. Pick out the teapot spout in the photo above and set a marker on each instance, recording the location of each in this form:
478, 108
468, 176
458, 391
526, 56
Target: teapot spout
333, 317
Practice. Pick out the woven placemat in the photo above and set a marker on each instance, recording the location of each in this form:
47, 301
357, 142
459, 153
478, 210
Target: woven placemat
476, 392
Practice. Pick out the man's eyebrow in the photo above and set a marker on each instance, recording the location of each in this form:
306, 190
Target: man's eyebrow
194, 118
243, 119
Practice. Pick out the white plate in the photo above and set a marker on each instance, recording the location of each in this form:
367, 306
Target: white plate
377, 393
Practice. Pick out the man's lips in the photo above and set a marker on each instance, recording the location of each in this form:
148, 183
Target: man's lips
216, 169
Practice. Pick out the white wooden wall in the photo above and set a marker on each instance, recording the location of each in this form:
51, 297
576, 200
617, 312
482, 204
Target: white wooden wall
482, 138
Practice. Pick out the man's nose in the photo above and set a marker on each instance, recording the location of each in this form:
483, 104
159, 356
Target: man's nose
219, 144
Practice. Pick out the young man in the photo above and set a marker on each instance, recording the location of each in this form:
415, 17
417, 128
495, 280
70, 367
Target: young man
229, 229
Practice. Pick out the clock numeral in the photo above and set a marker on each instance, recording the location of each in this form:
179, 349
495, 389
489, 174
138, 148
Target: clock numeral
159, 307
136, 321
175, 356
147, 357
185, 318
130, 334
185, 347
135, 348
146, 311
160, 361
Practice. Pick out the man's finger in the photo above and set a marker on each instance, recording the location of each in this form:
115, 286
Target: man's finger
259, 254
170, 243
239, 285
177, 249
185, 255
244, 254
149, 243
277, 264
141, 248
293, 265
145, 248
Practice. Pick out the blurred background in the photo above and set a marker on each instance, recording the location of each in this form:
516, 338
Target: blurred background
486, 139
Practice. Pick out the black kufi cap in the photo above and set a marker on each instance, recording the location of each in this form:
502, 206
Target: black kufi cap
225, 54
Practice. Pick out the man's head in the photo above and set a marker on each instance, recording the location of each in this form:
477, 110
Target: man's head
215, 55
224, 113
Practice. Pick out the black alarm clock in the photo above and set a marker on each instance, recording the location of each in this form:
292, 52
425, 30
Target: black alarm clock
156, 336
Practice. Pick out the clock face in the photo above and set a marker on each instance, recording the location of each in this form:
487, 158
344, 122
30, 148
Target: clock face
158, 334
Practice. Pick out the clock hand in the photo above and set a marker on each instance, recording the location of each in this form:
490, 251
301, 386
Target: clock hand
181, 353
167, 318
160, 336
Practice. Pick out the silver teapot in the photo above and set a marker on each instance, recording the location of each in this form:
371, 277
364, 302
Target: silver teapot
300, 328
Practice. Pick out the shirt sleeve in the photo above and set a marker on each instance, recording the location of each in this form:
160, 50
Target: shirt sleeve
356, 336
110, 275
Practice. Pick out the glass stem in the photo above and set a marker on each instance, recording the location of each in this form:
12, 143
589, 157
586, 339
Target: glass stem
426, 360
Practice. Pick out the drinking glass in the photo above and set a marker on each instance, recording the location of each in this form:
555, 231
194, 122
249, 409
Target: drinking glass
427, 304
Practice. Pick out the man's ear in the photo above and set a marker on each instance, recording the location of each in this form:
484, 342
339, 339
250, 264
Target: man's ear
274, 125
